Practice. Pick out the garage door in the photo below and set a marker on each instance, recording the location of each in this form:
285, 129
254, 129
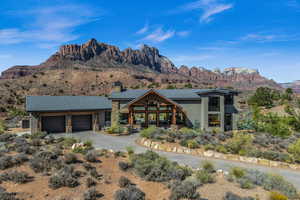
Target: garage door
54, 124
81, 123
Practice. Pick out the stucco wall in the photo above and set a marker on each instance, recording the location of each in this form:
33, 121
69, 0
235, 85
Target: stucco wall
193, 111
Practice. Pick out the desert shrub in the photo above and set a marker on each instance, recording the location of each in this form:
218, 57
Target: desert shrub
278, 183
92, 194
221, 149
36, 142
267, 181
294, 149
131, 192
130, 150
184, 190
65, 177
26, 148
124, 182
88, 166
2, 127
69, 141
185, 130
239, 143
70, 158
152, 132
205, 177
208, 147
116, 129
7, 137
20, 159
245, 183
4, 195
208, 167
192, 144
95, 174
152, 167
277, 196
6, 162
90, 182
119, 154
231, 196
38, 135
237, 172
124, 165
91, 156
16, 177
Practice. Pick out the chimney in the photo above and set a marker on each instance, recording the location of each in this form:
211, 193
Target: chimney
117, 86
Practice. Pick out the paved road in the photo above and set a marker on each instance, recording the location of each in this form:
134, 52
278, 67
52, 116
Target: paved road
119, 143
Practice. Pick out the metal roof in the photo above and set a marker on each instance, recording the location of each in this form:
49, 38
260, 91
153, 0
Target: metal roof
174, 94
66, 103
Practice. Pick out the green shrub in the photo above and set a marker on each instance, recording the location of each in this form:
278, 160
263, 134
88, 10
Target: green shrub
221, 149
264, 96
208, 147
239, 143
185, 130
237, 172
69, 141
277, 196
153, 167
192, 144
294, 149
2, 127
184, 190
116, 129
130, 150
148, 132
208, 167
205, 177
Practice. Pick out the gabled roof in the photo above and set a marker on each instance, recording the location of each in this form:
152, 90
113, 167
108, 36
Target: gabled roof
152, 91
173, 94
66, 103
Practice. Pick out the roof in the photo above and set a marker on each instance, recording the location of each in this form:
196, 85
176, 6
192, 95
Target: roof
66, 103
174, 94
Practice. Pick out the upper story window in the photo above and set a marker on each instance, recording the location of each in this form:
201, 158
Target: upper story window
214, 104
229, 100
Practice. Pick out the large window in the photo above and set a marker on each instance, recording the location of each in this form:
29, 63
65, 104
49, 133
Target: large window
214, 120
214, 104
107, 117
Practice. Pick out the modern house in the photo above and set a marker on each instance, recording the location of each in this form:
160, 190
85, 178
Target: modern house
199, 108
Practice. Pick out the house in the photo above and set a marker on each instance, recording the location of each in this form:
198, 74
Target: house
206, 109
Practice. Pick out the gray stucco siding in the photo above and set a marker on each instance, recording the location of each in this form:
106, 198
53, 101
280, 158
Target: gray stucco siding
192, 110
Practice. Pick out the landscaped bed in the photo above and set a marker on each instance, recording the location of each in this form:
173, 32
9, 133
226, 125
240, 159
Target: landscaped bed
42, 167
243, 143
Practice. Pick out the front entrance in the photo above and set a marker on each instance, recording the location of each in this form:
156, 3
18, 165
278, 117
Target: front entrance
228, 122
152, 109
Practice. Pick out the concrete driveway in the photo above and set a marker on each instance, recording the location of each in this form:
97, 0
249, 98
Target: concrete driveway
119, 143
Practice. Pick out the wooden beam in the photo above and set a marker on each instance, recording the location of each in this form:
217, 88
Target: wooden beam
174, 115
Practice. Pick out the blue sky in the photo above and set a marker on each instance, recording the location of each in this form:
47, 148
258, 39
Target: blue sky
257, 34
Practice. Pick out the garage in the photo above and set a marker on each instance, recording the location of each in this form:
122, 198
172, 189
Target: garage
54, 124
81, 123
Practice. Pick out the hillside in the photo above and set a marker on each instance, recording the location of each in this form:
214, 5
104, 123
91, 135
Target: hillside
295, 85
91, 68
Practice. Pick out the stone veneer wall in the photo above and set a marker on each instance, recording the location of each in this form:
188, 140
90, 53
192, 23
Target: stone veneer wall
115, 112
212, 154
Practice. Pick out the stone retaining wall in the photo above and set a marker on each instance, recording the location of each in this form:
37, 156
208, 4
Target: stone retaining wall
212, 154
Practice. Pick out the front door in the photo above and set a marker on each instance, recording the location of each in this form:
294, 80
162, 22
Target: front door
228, 122
152, 119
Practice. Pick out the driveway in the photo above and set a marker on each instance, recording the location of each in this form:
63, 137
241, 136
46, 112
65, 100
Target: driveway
119, 143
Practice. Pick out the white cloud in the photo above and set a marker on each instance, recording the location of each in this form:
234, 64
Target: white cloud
209, 8
49, 26
159, 35
143, 30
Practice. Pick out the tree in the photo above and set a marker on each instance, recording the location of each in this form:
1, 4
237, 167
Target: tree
264, 96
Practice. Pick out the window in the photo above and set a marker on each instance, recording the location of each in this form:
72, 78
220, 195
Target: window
123, 118
214, 104
229, 100
214, 120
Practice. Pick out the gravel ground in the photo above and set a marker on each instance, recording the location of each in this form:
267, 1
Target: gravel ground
119, 143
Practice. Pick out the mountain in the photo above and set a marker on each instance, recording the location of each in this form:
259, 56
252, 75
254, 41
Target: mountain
94, 55
91, 69
295, 85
